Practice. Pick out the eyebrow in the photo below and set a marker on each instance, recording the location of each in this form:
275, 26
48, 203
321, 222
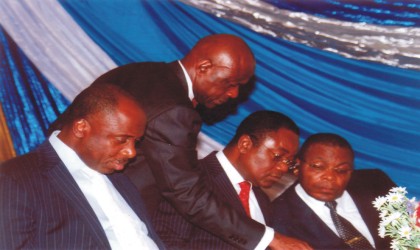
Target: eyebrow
285, 151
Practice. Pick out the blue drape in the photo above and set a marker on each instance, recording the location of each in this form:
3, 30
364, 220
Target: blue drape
375, 107
29, 101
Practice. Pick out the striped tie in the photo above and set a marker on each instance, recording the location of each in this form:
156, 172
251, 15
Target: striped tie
346, 230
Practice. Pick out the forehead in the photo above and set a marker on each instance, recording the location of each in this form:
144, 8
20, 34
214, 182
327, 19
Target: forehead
236, 68
328, 152
126, 118
283, 139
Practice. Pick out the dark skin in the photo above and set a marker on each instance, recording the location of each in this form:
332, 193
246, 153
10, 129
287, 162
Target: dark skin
106, 141
325, 171
261, 164
218, 65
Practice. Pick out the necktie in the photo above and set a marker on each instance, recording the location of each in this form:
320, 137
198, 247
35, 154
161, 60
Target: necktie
346, 230
244, 196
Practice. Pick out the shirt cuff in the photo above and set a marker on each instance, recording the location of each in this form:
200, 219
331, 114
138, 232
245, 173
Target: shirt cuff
266, 239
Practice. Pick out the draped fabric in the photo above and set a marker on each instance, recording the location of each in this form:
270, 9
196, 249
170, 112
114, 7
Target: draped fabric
390, 44
30, 102
375, 104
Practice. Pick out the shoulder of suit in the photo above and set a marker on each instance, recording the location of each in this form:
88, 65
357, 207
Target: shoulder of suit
281, 200
373, 181
33, 162
20, 166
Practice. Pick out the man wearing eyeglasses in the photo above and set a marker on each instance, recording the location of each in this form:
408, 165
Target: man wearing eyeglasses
331, 207
261, 151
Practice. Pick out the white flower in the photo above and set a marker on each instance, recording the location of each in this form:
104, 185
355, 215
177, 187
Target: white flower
383, 214
405, 232
398, 217
394, 197
395, 245
401, 190
379, 202
392, 217
381, 231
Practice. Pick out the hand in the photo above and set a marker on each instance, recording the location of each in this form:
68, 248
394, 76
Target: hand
287, 243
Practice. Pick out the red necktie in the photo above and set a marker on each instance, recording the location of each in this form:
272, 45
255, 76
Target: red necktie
244, 195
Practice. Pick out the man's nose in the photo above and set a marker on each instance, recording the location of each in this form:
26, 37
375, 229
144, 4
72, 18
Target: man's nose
130, 150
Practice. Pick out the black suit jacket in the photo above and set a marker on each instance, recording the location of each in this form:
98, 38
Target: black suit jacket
292, 217
177, 233
42, 206
167, 160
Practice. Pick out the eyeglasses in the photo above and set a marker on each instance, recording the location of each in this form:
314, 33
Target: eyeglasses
279, 158
320, 167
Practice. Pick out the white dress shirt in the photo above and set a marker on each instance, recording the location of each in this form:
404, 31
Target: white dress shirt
123, 228
345, 208
189, 82
235, 178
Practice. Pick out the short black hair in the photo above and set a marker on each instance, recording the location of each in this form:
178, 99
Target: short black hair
259, 123
94, 99
328, 139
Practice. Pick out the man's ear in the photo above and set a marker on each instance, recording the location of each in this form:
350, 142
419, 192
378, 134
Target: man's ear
204, 65
244, 143
80, 128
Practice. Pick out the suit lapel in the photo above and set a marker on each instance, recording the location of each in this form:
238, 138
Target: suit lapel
264, 203
308, 223
177, 70
369, 214
221, 183
60, 178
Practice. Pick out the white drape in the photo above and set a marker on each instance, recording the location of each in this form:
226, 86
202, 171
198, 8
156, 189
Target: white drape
61, 50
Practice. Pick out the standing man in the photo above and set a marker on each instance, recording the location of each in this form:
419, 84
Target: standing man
65, 194
329, 193
261, 151
210, 74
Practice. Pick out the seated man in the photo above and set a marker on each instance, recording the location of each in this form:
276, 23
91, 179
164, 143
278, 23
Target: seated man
326, 179
261, 151
64, 194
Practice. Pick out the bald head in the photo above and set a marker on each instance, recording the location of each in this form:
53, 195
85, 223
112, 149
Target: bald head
218, 65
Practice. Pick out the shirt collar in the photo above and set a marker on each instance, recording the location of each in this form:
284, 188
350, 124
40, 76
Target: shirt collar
341, 201
234, 176
189, 82
69, 157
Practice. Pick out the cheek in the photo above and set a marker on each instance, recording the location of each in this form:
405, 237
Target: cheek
341, 182
100, 150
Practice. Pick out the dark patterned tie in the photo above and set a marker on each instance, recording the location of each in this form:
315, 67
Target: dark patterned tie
346, 230
244, 196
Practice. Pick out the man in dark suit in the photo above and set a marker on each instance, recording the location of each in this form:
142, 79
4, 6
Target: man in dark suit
210, 74
261, 151
64, 194
325, 174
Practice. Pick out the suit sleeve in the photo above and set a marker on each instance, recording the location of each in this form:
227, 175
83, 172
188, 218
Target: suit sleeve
170, 151
17, 225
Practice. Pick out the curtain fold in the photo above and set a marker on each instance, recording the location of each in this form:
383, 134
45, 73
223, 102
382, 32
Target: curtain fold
375, 106
30, 102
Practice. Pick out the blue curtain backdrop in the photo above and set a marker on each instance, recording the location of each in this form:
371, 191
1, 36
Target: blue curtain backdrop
29, 101
375, 107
